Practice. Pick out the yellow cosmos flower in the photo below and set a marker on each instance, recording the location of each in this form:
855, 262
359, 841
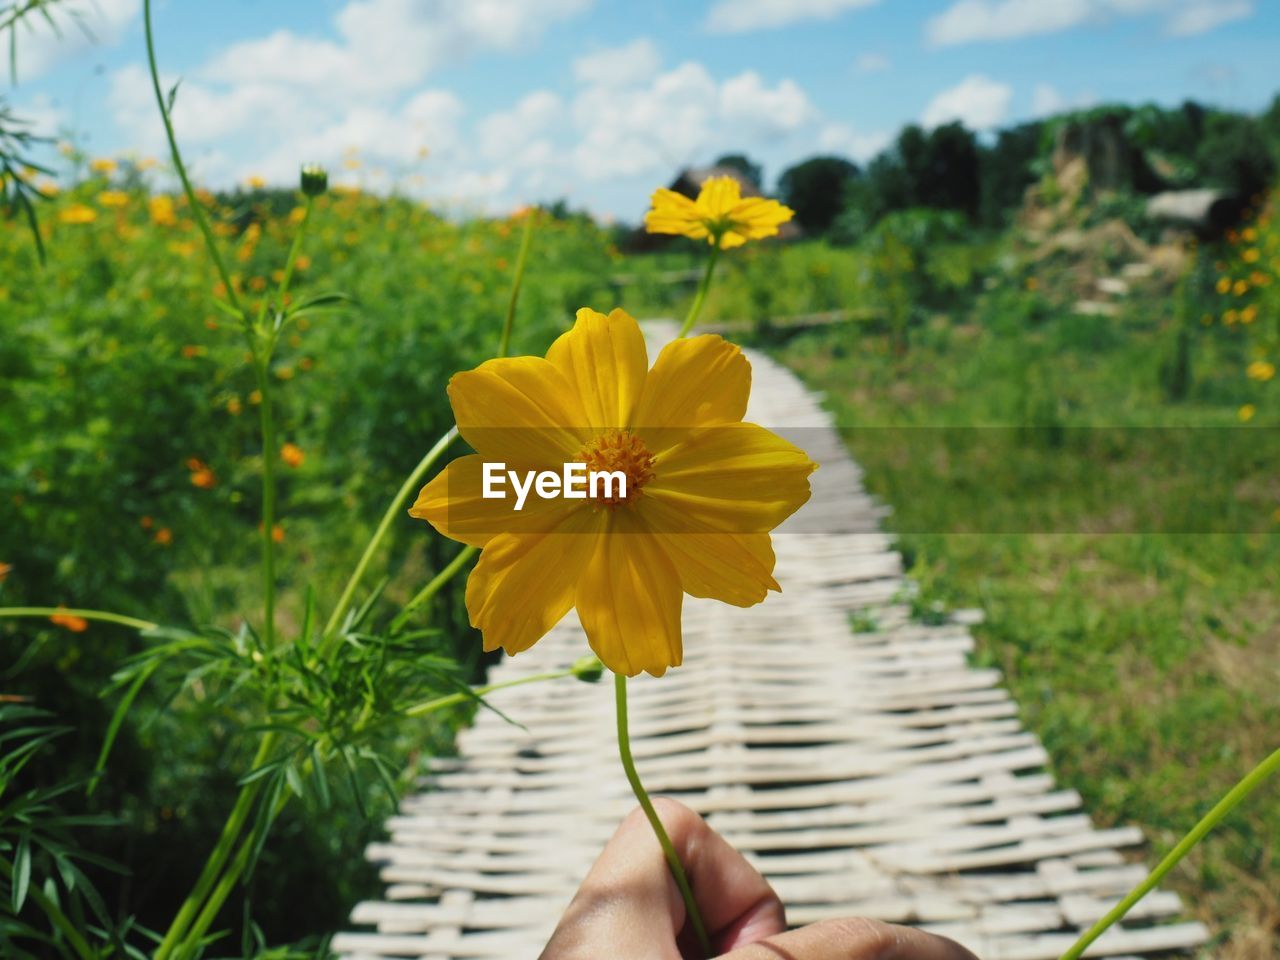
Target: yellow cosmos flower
720, 215
78, 213
1260, 370
703, 490
113, 198
103, 165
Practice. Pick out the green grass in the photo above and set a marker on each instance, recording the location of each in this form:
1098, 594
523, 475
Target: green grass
1146, 660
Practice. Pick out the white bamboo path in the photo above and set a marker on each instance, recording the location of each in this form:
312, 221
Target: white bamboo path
872, 773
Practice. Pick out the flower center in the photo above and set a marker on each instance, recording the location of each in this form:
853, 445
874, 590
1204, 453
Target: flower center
624, 452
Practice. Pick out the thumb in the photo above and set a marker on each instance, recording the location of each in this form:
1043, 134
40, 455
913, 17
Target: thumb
629, 905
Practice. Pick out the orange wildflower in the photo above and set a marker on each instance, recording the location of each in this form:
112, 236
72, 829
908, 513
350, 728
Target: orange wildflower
70, 622
292, 455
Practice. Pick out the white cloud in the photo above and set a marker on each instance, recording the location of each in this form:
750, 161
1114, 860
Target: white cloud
678, 117
80, 25
840, 138
1046, 101
635, 62
1204, 16
967, 21
742, 16
978, 101
872, 63
386, 46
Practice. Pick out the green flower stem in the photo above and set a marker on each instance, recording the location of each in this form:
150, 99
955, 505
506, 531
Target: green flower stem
197, 212
103, 615
294, 249
700, 297
393, 511
439, 703
1234, 796
231, 831
262, 366
668, 850
433, 587
504, 343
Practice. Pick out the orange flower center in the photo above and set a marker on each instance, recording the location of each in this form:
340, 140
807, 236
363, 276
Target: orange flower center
622, 451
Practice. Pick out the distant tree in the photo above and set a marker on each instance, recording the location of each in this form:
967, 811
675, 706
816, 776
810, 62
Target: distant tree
815, 190
1271, 122
1235, 154
942, 167
1006, 169
743, 164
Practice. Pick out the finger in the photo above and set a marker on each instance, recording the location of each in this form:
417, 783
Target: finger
629, 905
853, 939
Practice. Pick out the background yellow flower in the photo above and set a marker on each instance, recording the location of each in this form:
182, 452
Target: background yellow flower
720, 215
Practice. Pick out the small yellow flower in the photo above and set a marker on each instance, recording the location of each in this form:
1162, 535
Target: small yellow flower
255, 182
292, 455
720, 215
1224, 285
1240, 288
77, 213
164, 536
69, 621
703, 490
113, 198
1246, 412
162, 211
1260, 370
1231, 317
103, 165
1249, 314
1249, 234
1251, 255
234, 406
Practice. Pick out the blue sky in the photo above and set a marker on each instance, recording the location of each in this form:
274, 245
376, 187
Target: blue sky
485, 104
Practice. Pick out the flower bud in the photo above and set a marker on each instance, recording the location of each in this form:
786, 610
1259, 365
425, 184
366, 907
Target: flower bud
315, 180
588, 669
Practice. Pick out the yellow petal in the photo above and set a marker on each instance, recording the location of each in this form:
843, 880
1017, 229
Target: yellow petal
735, 568
756, 217
718, 196
629, 601
525, 583
734, 478
695, 382
518, 409
453, 503
674, 213
604, 361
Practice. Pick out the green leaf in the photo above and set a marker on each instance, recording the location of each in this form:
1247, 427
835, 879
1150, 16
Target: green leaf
21, 873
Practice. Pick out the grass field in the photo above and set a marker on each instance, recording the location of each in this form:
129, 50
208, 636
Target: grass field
1145, 656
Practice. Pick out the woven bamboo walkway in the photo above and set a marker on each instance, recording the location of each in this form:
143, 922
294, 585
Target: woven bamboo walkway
866, 773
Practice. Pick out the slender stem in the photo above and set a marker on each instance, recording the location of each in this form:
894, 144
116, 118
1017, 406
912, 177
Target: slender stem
231, 831
433, 587
439, 703
1234, 796
700, 297
668, 850
393, 511
262, 367
197, 212
294, 249
504, 343
103, 615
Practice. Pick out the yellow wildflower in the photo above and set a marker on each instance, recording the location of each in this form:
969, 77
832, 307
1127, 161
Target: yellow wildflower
162, 211
1251, 255
1260, 370
292, 455
1246, 412
103, 165
1249, 314
1224, 285
255, 182
113, 198
703, 490
77, 213
720, 215
1240, 288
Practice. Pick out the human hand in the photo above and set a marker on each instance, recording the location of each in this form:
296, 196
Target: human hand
628, 908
